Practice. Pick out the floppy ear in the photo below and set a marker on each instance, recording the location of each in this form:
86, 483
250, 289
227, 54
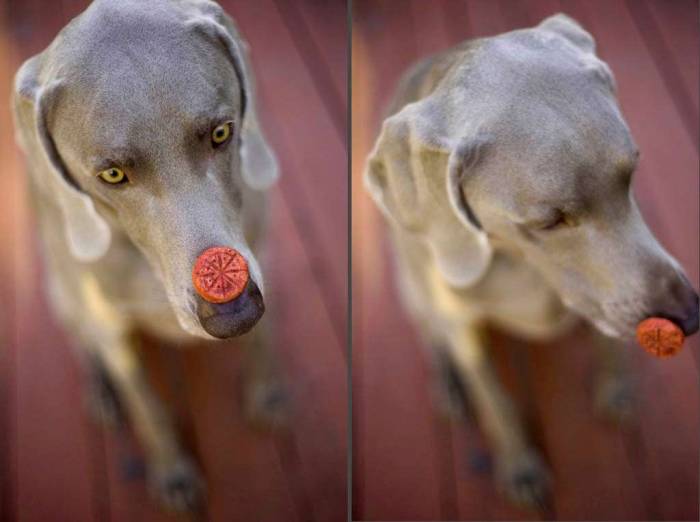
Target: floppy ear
87, 233
258, 162
416, 175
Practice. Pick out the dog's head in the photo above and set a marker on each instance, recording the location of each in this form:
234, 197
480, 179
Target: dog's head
143, 117
522, 145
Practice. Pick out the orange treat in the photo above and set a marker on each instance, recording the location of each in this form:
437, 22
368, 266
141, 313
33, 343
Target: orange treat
220, 274
660, 337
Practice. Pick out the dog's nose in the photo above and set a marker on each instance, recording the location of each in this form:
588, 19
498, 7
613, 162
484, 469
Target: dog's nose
686, 313
233, 318
689, 323
229, 303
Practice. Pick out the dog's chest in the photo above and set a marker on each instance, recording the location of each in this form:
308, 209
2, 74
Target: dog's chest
514, 296
129, 284
511, 295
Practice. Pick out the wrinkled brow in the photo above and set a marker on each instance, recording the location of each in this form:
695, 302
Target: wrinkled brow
121, 157
205, 121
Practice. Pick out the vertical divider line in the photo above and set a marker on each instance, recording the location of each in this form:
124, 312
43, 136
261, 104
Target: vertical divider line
348, 156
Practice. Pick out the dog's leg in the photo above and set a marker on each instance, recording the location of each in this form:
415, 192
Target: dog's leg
449, 392
265, 399
520, 471
613, 392
173, 477
101, 396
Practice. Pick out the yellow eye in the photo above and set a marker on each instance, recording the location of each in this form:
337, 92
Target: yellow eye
221, 133
113, 176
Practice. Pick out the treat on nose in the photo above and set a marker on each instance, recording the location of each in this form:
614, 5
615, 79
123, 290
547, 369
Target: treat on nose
660, 337
220, 274
229, 303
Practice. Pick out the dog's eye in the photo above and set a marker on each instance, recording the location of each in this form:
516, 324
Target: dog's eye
560, 220
113, 176
221, 134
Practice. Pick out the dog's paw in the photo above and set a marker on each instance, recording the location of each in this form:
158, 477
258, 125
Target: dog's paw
267, 404
103, 403
525, 480
614, 399
177, 485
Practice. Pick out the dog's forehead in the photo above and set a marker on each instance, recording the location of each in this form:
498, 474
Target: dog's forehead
130, 50
140, 73
546, 104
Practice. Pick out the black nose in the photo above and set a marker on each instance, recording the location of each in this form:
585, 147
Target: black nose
234, 318
689, 324
686, 314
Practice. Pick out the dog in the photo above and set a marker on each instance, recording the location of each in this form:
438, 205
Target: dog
144, 149
503, 171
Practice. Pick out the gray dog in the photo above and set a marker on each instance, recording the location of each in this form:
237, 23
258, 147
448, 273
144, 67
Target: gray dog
140, 131
504, 170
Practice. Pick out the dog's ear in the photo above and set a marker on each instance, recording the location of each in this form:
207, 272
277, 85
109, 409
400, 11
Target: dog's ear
417, 174
571, 30
87, 233
258, 162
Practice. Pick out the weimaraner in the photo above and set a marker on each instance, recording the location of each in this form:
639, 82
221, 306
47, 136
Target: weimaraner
140, 130
504, 170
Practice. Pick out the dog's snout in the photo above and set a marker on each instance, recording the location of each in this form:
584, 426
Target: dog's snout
233, 318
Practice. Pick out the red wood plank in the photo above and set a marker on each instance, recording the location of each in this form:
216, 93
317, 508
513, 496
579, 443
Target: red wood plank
389, 32
677, 22
594, 477
485, 18
532, 12
327, 23
244, 476
320, 34
50, 442
670, 32
671, 431
315, 371
308, 145
53, 442
395, 444
433, 35
13, 190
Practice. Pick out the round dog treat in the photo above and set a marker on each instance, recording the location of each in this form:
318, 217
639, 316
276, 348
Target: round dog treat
220, 274
660, 337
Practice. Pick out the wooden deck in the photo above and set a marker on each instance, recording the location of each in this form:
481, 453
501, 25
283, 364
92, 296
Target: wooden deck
55, 464
409, 464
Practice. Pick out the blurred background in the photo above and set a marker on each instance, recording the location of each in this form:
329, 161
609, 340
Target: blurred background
58, 465
411, 464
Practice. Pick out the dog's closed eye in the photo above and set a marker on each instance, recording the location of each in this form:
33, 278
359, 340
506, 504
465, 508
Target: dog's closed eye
558, 220
555, 220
